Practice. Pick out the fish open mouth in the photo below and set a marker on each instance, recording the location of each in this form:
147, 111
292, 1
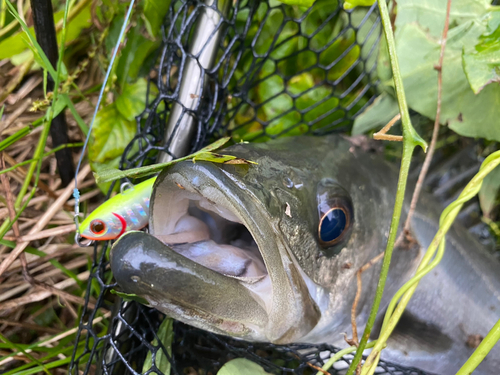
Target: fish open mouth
210, 235
200, 222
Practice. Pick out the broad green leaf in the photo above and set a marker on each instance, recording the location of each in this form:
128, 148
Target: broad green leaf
350, 4
165, 335
154, 14
466, 113
333, 52
133, 55
132, 100
241, 366
111, 133
489, 191
482, 66
15, 44
376, 115
303, 3
430, 14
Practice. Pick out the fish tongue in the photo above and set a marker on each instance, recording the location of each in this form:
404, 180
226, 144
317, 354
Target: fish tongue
226, 259
184, 289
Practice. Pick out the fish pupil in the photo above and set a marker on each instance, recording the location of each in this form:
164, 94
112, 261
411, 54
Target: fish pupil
333, 225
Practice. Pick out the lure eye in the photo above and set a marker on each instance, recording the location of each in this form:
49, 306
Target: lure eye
97, 227
335, 214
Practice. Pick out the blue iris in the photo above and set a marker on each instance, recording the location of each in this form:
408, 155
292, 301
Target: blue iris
332, 225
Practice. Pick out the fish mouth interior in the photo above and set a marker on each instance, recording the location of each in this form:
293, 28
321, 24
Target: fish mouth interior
210, 235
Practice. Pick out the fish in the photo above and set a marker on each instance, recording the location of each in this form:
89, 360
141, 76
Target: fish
126, 211
269, 252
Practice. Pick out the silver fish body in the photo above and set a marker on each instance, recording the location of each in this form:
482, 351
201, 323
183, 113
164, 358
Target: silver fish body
245, 252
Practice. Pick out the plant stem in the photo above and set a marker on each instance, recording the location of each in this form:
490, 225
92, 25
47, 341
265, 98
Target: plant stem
410, 140
340, 354
435, 131
446, 220
482, 350
69, 145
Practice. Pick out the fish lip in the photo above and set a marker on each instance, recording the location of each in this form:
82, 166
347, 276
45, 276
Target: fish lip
292, 305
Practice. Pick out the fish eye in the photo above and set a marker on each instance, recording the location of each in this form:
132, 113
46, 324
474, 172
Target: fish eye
336, 214
332, 226
97, 227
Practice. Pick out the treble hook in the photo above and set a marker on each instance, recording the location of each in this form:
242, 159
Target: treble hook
79, 241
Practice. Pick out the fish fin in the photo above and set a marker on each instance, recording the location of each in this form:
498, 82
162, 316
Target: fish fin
413, 334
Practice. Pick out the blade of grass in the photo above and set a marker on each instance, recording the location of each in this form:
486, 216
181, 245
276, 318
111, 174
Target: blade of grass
68, 273
54, 150
21, 133
331, 361
482, 350
2, 13
15, 347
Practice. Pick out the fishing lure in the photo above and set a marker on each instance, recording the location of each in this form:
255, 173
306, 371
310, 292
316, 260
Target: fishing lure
86, 231
126, 211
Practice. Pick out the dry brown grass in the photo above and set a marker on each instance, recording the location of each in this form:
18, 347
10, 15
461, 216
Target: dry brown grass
38, 298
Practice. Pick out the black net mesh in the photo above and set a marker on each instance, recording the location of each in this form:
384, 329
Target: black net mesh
263, 70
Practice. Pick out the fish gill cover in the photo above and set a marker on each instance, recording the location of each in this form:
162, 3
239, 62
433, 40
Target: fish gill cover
279, 70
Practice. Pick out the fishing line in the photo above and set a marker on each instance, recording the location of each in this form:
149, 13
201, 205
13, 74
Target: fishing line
76, 192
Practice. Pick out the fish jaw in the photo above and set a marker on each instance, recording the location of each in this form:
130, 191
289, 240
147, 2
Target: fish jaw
275, 305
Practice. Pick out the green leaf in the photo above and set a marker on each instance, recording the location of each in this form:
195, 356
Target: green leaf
29, 249
466, 113
132, 56
165, 335
376, 115
303, 3
350, 4
132, 101
241, 366
489, 191
15, 44
430, 14
154, 13
111, 133
482, 66
115, 174
220, 159
130, 297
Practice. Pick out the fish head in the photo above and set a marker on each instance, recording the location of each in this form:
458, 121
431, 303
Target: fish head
265, 252
102, 224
